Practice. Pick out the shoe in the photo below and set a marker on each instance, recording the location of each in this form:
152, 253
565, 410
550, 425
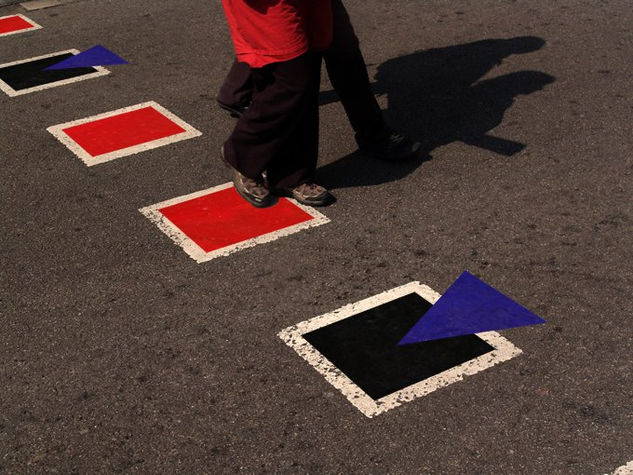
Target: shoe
309, 194
236, 111
390, 145
253, 191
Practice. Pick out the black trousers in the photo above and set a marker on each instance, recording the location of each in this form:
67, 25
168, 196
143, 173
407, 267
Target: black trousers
279, 133
297, 142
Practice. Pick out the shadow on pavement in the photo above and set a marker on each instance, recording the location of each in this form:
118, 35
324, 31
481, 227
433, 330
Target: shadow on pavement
436, 96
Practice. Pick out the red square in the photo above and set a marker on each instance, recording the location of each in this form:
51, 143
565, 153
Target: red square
218, 221
122, 131
224, 218
13, 24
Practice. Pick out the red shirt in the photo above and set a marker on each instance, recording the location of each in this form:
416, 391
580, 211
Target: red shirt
269, 31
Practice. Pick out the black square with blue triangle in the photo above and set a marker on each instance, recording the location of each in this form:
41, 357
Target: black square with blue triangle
31, 74
362, 351
365, 347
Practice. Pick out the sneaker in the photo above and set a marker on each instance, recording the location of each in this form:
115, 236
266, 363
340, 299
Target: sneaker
236, 111
309, 194
253, 191
390, 145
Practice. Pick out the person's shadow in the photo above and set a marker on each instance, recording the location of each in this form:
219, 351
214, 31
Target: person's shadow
435, 97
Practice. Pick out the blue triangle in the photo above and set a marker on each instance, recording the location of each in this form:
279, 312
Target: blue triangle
469, 306
96, 56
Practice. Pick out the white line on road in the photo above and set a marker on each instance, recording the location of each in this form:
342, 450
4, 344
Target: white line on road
624, 469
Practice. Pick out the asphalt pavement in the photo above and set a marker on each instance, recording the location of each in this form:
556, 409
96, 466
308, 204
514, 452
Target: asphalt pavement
121, 353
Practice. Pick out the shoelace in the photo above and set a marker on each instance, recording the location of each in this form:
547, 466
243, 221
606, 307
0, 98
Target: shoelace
254, 184
396, 138
309, 187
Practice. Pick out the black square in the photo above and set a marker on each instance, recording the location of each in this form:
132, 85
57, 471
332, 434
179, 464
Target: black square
30, 74
365, 347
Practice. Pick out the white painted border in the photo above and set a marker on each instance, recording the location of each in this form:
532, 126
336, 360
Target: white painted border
34, 26
100, 71
196, 252
58, 131
293, 336
624, 469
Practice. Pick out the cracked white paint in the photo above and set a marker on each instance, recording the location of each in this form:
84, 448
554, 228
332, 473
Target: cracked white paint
624, 469
40, 4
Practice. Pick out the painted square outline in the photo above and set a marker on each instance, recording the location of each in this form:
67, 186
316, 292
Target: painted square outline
58, 132
34, 26
293, 337
8, 90
626, 469
196, 252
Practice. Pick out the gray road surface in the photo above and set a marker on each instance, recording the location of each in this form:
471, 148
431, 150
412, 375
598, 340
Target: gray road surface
119, 353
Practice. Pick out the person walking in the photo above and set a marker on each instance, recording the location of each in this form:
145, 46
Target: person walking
348, 74
282, 43
273, 88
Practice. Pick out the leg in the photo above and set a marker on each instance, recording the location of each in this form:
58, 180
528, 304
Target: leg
348, 74
278, 132
237, 90
296, 161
